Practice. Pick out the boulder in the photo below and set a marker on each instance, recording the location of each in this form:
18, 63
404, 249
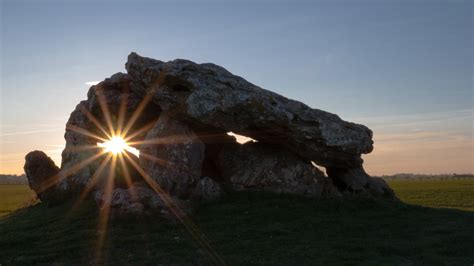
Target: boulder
258, 166
356, 181
207, 189
140, 199
42, 174
172, 155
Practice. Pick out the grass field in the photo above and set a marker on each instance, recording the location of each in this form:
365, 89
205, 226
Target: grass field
258, 229
13, 197
458, 194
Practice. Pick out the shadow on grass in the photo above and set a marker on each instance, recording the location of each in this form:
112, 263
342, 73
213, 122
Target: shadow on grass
248, 229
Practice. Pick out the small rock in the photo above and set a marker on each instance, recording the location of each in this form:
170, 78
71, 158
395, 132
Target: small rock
356, 181
207, 189
43, 175
139, 199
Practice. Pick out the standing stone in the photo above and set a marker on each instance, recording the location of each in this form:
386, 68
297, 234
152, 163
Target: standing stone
172, 154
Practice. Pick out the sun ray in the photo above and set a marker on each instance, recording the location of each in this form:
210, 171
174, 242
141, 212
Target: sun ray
136, 114
179, 214
121, 114
127, 176
67, 172
144, 129
74, 168
49, 182
81, 148
161, 140
92, 182
141, 106
116, 145
84, 132
153, 159
156, 141
94, 120
104, 107
104, 211
175, 139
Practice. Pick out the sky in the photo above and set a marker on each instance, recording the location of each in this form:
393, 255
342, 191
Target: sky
402, 68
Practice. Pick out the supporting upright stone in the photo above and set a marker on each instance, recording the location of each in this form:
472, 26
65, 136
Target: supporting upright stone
42, 174
172, 155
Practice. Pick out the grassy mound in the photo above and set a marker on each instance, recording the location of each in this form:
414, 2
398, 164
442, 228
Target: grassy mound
247, 229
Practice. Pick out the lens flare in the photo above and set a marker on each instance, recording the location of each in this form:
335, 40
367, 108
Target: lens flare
116, 140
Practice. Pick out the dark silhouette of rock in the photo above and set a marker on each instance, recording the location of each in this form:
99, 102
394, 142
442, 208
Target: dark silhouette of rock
263, 167
210, 96
357, 181
140, 199
42, 173
207, 189
173, 155
178, 114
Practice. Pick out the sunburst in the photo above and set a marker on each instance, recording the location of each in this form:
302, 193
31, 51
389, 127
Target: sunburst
116, 143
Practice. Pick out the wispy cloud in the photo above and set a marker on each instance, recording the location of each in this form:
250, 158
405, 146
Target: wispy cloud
30, 132
30, 125
92, 83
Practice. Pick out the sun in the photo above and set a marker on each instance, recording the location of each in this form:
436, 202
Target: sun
117, 145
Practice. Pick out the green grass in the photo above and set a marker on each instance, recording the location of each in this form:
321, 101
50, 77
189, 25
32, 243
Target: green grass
248, 229
458, 194
13, 197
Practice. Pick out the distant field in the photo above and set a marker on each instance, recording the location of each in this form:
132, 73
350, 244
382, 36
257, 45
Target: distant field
456, 194
13, 197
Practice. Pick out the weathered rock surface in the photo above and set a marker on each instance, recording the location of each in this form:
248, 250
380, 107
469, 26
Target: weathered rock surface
210, 96
173, 155
139, 199
264, 167
207, 189
42, 175
357, 181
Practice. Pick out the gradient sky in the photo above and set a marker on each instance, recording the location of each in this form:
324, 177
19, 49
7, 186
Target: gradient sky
403, 68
